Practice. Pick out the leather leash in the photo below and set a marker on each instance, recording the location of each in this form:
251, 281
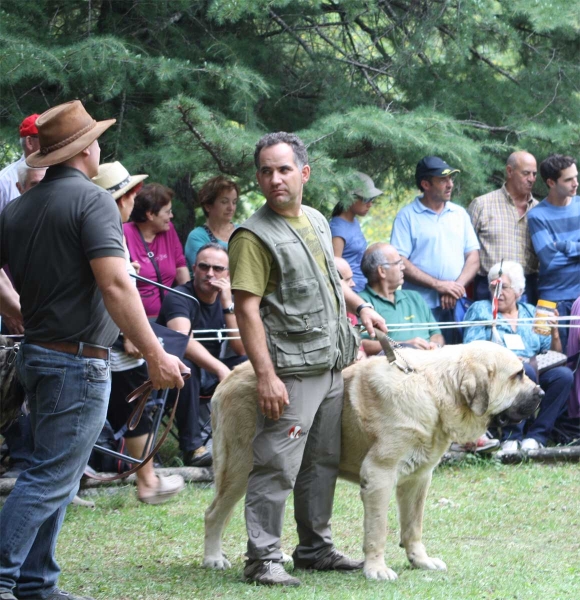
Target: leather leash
141, 395
390, 352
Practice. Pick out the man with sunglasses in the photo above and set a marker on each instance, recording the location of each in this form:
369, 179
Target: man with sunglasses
213, 310
384, 269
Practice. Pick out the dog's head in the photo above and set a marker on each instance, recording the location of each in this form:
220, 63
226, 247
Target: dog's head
492, 382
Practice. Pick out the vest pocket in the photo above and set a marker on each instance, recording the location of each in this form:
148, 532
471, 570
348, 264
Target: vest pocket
290, 353
301, 296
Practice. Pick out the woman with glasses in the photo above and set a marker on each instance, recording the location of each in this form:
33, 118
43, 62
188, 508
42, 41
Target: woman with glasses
153, 243
514, 327
348, 240
218, 199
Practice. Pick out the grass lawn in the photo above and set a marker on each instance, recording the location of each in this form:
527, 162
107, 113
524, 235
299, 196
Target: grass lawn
505, 532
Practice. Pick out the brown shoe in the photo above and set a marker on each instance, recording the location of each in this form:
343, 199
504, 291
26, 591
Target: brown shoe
335, 561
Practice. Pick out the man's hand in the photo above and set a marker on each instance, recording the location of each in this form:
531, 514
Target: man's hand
420, 344
14, 325
272, 397
448, 301
131, 349
371, 319
450, 288
223, 372
165, 372
225, 290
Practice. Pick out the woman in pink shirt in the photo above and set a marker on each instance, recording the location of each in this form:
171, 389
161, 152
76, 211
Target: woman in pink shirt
153, 243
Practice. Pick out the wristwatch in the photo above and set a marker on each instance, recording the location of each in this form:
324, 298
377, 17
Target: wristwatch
361, 306
229, 310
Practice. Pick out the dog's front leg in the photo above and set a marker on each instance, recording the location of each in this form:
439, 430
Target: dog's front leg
376, 484
411, 495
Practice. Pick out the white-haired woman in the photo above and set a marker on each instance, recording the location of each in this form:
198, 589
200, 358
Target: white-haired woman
517, 334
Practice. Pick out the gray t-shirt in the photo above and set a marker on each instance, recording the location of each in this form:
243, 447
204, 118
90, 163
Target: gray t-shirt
47, 238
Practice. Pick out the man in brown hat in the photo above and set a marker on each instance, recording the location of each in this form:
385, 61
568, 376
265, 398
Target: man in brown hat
63, 242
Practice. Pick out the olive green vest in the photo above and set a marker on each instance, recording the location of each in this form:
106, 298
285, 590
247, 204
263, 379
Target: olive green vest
304, 333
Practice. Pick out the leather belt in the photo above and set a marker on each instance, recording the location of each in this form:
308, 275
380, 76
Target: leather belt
88, 351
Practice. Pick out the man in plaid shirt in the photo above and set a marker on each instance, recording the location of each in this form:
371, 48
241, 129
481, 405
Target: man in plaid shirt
500, 220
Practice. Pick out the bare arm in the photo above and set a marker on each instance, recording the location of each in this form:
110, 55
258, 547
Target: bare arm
10, 305
196, 352
272, 393
182, 275
415, 275
124, 304
338, 246
470, 268
226, 300
369, 317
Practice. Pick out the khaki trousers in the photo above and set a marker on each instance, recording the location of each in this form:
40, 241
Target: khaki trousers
300, 451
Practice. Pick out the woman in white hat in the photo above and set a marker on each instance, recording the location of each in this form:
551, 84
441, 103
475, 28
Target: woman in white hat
348, 240
128, 368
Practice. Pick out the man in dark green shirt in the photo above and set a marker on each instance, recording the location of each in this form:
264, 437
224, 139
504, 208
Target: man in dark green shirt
384, 270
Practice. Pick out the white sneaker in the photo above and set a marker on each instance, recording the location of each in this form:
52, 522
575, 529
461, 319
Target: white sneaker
530, 444
509, 447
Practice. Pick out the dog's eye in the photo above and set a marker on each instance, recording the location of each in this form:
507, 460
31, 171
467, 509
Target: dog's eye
519, 375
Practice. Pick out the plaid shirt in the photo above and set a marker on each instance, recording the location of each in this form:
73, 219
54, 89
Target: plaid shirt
502, 233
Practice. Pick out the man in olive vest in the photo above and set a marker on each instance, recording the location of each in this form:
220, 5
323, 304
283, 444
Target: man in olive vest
291, 311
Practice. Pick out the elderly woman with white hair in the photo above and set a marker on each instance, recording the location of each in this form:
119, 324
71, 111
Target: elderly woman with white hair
515, 330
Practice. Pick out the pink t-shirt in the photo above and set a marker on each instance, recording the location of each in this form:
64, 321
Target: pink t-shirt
168, 253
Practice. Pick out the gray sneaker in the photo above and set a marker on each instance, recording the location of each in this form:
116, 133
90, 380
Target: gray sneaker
268, 572
6, 594
335, 561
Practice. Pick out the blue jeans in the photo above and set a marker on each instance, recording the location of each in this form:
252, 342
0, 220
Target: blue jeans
68, 398
556, 383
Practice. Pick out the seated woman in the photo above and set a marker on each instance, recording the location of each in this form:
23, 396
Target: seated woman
348, 240
153, 243
518, 336
128, 369
218, 199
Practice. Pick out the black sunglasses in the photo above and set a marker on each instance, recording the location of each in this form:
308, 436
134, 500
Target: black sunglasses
205, 267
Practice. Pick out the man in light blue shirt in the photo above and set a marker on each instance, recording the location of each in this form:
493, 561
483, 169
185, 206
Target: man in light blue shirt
437, 243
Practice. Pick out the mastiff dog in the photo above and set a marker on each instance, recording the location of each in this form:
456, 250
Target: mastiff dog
396, 426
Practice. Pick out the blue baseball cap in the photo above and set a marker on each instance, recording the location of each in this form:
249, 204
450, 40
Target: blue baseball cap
432, 166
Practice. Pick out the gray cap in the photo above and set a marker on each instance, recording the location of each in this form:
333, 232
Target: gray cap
367, 191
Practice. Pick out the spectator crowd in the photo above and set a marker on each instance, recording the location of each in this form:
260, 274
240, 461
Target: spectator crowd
93, 268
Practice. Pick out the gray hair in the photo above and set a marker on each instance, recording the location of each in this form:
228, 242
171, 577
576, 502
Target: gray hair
511, 269
281, 137
373, 259
22, 171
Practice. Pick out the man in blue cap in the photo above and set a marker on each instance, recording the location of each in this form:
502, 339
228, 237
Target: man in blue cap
437, 243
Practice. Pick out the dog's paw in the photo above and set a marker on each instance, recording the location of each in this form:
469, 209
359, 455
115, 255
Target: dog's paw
219, 564
381, 572
429, 563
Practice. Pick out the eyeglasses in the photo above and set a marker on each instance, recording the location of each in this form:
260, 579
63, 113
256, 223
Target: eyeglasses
493, 286
205, 267
398, 263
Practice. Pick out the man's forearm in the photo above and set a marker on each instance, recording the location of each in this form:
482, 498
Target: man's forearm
254, 339
9, 299
414, 275
198, 354
470, 268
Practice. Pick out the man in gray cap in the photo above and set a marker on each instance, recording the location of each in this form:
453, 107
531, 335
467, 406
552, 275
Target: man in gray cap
438, 245
63, 242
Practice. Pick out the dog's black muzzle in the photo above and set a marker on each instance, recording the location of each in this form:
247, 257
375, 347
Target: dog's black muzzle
524, 406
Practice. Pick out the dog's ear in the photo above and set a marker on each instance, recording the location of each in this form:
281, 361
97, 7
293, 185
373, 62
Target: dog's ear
474, 387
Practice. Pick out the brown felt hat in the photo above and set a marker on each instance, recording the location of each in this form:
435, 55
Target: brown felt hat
63, 132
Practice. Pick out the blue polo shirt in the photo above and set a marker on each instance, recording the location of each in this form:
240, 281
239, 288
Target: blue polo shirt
435, 243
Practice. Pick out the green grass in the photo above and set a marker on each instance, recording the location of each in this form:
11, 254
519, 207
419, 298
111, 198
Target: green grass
505, 532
